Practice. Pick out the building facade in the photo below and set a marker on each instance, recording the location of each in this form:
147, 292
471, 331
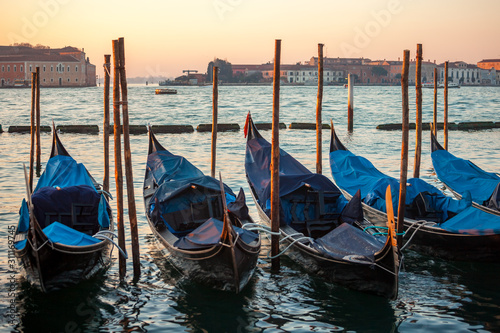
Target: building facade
461, 73
489, 63
66, 67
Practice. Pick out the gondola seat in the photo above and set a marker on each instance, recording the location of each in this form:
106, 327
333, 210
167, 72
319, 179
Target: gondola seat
186, 220
74, 206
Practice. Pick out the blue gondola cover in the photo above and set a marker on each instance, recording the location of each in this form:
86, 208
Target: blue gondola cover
462, 175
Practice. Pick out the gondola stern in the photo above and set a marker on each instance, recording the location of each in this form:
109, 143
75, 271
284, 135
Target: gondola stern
250, 129
435, 144
57, 146
335, 143
154, 145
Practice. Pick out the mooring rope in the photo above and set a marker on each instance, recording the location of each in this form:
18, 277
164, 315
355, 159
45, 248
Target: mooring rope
101, 233
420, 224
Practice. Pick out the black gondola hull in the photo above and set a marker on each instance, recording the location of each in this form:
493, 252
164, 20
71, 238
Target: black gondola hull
440, 243
220, 266
62, 266
379, 278
212, 267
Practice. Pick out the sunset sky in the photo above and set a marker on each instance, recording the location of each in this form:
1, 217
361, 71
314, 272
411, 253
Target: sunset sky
166, 37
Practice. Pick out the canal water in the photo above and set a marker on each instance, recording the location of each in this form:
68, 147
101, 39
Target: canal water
434, 296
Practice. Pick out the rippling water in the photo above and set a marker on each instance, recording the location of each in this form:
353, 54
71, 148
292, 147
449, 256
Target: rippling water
435, 295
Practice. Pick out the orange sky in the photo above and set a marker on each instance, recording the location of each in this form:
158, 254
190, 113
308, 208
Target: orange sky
165, 37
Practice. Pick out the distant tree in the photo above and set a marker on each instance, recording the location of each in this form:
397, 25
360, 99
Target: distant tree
252, 78
23, 44
225, 70
379, 71
398, 76
40, 46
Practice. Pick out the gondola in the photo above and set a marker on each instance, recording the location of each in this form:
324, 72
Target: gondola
325, 234
434, 224
186, 212
65, 227
461, 176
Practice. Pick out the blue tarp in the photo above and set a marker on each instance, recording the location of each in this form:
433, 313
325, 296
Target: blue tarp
353, 172
462, 175
209, 234
175, 195
295, 179
63, 171
63, 183
59, 233
165, 166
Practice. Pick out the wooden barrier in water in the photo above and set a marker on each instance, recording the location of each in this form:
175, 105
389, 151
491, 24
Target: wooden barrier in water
307, 126
463, 126
83, 129
268, 126
220, 128
27, 129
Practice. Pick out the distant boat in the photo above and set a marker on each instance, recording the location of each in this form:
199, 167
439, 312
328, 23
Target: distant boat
165, 91
440, 85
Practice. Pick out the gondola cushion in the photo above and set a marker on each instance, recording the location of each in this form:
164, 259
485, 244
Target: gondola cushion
59, 233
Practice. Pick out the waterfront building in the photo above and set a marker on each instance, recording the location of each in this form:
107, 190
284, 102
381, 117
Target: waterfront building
461, 73
65, 67
489, 63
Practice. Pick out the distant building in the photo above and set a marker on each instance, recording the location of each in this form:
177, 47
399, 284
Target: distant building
461, 73
489, 63
65, 67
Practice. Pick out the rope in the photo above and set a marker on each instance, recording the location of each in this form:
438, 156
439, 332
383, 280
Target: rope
120, 103
100, 235
421, 223
107, 193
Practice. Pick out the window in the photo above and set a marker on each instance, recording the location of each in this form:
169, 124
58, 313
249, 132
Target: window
51, 68
76, 68
44, 68
21, 68
51, 80
76, 80
43, 80
68, 68
15, 68
68, 79
8, 68
3, 68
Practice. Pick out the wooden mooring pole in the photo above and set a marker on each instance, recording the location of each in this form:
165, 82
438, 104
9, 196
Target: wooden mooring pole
319, 104
418, 118
275, 161
118, 158
32, 129
107, 67
350, 103
434, 112
445, 93
37, 111
404, 146
132, 212
215, 100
